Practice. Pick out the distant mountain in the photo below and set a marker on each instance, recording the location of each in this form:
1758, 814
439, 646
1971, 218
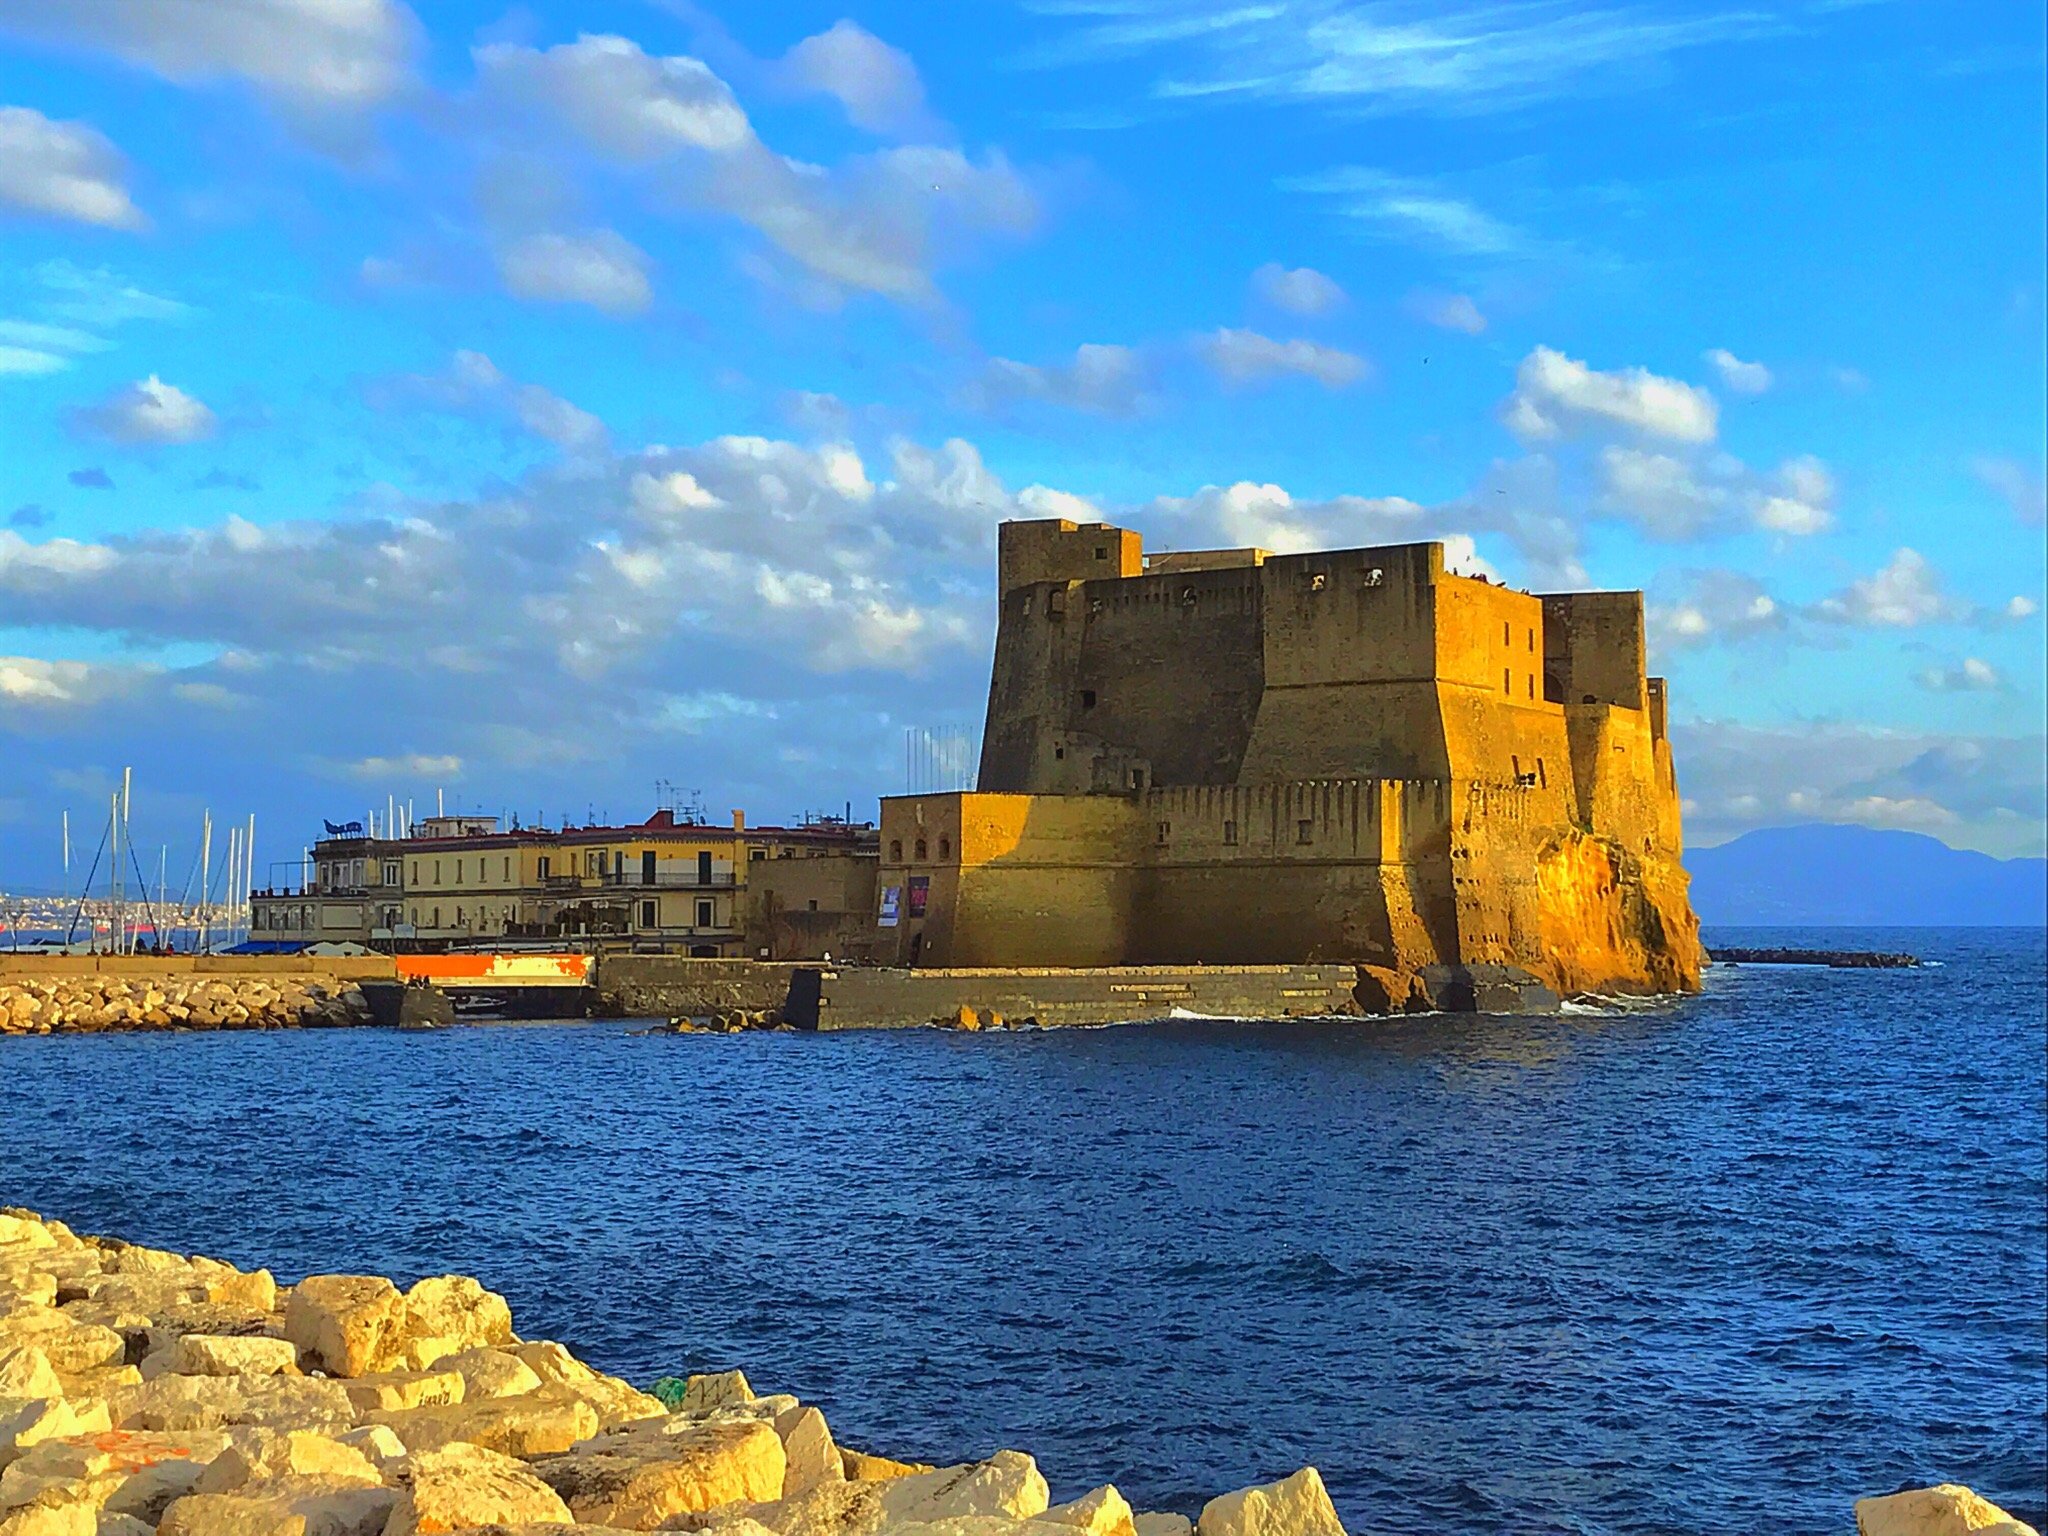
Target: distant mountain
1859, 877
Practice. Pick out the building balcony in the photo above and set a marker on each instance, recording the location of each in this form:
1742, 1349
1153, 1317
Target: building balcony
635, 880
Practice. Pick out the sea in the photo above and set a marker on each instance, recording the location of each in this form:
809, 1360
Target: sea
1719, 1264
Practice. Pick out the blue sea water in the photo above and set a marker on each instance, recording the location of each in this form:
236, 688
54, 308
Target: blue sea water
1723, 1264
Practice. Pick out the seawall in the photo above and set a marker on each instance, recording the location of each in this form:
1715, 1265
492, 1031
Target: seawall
671, 986
823, 998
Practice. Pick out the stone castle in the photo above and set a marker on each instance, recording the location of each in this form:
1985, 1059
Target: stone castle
1233, 757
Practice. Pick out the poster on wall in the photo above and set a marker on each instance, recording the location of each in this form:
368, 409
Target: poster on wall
891, 894
920, 890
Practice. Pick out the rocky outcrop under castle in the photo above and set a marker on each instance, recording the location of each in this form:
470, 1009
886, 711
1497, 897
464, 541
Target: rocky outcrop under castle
144, 1391
89, 1003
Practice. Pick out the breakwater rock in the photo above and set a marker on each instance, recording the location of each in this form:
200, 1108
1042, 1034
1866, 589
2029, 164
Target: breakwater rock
1838, 959
88, 1003
147, 1391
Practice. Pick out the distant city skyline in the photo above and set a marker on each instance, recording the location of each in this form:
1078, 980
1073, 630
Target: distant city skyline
538, 402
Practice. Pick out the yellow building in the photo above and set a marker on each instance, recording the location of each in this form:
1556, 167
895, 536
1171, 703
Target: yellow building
766, 892
1227, 756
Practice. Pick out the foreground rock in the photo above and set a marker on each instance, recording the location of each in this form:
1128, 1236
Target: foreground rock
149, 1392
1948, 1509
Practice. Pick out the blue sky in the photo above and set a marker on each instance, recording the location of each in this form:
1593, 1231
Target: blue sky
535, 402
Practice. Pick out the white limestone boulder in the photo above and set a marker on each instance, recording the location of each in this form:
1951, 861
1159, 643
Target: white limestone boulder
462, 1486
1294, 1506
283, 1506
260, 1454
637, 1480
347, 1325
1947, 1509
1102, 1512
807, 1445
202, 1354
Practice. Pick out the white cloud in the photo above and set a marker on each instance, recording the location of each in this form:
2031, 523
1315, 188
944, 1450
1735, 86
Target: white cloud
98, 296
27, 362
1662, 493
147, 412
1905, 592
413, 765
1267, 517
1743, 378
63, 171
875, 223
323, 54
1104, 379
1801, 501
473, 384
33, 682
1454, 58
1298, 290
622, 101
2021, 487
1242, 357
1689, 494
877, 85
2021, 608
1556, 395
1418, 212
1971, 675
600, 268
1712, 607
1981, 791
1450, 311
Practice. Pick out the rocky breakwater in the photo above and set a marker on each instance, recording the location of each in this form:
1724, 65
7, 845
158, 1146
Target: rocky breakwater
146, 1391
85, 1004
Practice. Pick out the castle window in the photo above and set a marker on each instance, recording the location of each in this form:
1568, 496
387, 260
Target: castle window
1541, 778
922, 853
1230, 833
1375, 577
1304, 831
1102, 551
895, 850
1532, 642
1056, 603
1165, 827
945, 849
1531, 681
704, 914
814, 906
1059, 753
1087, 698
1137, 778
1507, 682
1317, 582
1505, 637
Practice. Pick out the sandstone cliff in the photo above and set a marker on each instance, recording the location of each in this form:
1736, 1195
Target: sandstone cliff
1614, 921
